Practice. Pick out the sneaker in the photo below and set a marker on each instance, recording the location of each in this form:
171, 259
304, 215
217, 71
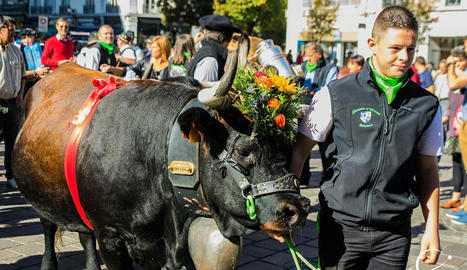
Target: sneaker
457, 214
461, 220
11, 183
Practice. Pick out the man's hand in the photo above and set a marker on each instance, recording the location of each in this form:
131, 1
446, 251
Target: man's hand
42, 71
104, 68
19, 100
429, 248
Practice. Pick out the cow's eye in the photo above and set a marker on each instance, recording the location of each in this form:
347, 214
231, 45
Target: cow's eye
243, 152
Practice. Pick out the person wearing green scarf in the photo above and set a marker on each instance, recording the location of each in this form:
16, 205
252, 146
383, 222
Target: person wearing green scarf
390, 86
103, 51
373, 149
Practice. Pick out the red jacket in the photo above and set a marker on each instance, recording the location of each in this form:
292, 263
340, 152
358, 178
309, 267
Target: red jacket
56, 50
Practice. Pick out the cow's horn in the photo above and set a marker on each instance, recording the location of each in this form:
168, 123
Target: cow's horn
216, 97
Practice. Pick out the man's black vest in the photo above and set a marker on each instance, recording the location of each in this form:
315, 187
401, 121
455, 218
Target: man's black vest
210, 48
370, 154
321, 72
106, 57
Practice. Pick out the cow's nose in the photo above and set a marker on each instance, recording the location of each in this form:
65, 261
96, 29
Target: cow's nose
291, 214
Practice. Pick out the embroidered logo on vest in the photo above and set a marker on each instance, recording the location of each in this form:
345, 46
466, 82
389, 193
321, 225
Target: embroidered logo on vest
365, 116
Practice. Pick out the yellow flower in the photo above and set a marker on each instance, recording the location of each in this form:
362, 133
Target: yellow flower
283, 84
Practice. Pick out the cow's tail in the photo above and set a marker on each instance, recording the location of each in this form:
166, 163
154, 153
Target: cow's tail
58, 242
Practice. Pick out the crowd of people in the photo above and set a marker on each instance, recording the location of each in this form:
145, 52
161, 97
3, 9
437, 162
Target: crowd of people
381, 115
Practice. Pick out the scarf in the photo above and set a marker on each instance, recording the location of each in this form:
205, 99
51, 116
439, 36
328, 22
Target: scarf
109, 47
310, 67
390, 86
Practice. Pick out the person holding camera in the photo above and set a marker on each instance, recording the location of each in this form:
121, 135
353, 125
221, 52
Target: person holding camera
458, 79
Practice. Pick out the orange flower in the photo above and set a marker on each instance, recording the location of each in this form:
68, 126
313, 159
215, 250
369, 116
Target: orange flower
264, 81
274, 103
279, 120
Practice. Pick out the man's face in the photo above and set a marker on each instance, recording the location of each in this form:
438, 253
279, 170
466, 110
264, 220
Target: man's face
62, 28
461, 63
393, 51
312, 56
7, 33
443, 68
120, 43
106, 35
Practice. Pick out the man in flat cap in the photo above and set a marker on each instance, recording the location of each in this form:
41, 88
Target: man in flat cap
126, 55
207, 64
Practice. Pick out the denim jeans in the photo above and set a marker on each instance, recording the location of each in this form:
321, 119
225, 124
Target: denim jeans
346, 247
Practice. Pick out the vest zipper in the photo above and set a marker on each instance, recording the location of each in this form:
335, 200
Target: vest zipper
377, 171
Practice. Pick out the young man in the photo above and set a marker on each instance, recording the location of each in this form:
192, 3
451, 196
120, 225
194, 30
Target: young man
59, 48
378, 130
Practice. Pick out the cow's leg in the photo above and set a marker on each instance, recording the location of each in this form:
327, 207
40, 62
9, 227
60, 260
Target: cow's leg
88, 241
114, 253
49, 260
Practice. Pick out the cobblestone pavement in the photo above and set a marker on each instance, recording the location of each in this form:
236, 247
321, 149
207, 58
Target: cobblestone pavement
21, 240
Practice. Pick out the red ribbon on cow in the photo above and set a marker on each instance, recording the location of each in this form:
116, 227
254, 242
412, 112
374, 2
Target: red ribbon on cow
81, 120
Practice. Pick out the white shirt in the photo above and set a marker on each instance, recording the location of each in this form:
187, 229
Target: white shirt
318, 121
93, 57
12, 70
441, 86
206, 70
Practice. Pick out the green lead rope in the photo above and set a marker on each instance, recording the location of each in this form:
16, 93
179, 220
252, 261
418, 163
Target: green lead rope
297, 255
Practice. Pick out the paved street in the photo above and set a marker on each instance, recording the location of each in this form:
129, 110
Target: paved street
21, 240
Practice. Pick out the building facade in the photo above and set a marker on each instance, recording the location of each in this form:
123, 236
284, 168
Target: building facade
141, 16
355, 21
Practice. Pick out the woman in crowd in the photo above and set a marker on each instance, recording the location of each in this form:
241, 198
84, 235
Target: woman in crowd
183, 51
156, 67
353, 65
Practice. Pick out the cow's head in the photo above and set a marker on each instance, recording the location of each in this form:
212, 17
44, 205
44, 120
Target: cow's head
238, 168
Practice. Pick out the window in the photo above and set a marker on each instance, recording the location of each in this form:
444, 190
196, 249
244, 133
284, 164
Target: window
453, 2
387, 3
339, 2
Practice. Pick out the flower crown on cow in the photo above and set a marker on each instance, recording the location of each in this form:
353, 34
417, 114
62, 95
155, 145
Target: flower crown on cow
271, 102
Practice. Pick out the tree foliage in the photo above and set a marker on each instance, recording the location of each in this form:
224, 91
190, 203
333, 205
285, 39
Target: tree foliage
320, 20
422, 10
184, 11
262, 18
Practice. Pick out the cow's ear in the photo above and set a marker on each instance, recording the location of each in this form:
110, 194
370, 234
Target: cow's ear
198, 125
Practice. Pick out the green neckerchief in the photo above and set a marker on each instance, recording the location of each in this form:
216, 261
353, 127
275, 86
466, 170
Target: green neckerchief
310, 67
390, 86
109, 47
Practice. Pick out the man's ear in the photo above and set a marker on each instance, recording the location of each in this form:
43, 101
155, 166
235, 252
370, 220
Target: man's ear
199, 126
372, 45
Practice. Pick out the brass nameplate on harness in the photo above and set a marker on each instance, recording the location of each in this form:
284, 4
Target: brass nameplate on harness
182, 167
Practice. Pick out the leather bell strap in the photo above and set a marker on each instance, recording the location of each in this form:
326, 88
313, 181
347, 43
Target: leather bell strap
288, 183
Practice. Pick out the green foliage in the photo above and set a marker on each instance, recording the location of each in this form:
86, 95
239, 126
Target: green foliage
184, 11
264, 98
262, 18
320, 20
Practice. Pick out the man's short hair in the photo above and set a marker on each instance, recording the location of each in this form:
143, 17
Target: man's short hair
315, 46
5, 20
394, 17
61, 19
217, 36
420, 60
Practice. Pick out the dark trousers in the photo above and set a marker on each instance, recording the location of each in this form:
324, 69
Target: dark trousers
459, 176
345, 247
9, 123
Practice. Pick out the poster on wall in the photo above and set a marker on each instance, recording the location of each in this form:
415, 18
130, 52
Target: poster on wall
43, 24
